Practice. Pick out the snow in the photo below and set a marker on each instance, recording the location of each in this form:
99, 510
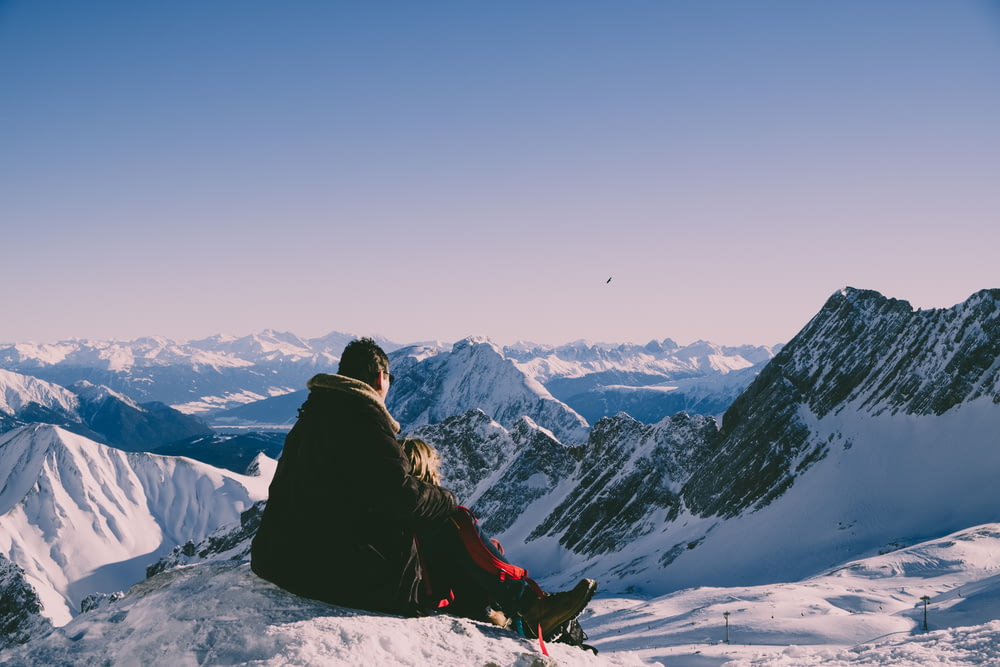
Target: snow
574, 360
886, 481
861, 612
44, 353
651, 387
865, 613
95, 393
221, 613
17, 391
207, 404
839, 570
477, 375
80, 517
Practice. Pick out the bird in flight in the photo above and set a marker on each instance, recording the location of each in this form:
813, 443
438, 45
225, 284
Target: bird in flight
608, 281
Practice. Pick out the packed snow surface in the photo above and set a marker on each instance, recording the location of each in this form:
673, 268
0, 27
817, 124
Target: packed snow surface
867, 612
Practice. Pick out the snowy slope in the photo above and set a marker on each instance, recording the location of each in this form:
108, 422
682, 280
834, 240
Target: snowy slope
614, 507
885, 482
220, 613
864, 613
20, 392
80, 517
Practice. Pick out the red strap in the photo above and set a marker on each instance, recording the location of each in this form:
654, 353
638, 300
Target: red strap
465, 523
541, 642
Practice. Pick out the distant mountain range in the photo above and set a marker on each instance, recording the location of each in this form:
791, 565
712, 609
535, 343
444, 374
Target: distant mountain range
554, 386
873, 429
259, 380
97, 412
197, 377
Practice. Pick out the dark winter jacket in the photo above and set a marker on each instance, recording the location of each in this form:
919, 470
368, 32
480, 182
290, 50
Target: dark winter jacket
343, 506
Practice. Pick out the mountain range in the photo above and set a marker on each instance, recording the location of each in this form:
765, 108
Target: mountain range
873, 429
258, 381
97, 412
195, 376
879, 418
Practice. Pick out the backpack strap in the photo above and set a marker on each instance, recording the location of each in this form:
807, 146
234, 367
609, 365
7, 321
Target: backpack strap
466, 524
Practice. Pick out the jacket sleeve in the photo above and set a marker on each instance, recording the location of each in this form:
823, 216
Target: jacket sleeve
394, 491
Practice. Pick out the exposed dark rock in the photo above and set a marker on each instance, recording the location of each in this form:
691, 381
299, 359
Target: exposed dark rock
629, 473
21, 619
226, 543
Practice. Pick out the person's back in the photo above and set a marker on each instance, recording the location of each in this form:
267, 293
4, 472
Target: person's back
342, 505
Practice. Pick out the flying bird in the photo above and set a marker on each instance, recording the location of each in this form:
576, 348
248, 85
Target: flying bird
608, 281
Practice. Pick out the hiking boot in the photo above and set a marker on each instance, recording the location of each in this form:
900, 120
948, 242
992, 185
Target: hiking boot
552, 611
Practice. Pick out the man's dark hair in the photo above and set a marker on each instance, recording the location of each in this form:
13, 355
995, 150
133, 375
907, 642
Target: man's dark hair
363, 360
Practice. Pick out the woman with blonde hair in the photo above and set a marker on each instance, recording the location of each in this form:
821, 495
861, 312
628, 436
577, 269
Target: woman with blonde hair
424, 460
467, 574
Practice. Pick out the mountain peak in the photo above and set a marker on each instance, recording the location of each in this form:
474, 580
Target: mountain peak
89, 391
19, 392
475, 342
89, 508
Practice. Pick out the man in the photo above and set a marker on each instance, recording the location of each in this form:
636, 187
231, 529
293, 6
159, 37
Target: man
344, 506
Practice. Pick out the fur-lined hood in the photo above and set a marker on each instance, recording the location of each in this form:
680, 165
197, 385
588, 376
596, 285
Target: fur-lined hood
349, 385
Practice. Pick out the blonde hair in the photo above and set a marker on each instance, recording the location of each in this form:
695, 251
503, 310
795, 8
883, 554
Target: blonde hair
424, 460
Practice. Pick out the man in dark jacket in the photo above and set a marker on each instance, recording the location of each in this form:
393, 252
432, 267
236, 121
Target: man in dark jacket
343, 506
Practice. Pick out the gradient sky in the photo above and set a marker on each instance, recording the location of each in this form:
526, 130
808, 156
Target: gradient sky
432, 170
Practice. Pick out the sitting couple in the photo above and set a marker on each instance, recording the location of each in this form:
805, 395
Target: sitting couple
353, 519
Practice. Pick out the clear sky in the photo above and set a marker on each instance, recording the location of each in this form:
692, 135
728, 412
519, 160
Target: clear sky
432, 170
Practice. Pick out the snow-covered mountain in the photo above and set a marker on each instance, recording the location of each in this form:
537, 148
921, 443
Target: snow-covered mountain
474, 375
498, 472
94, 411
79, 517
649, 382
195, 376
874, 428
872, 435
561, 504
561, 389
24, 398
215, 376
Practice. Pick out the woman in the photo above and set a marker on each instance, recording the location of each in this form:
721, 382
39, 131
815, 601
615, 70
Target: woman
467, 574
